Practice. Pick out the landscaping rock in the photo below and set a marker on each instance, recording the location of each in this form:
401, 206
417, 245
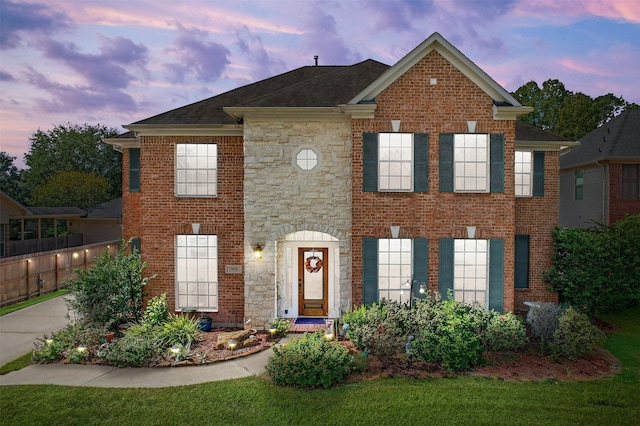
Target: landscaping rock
239, 335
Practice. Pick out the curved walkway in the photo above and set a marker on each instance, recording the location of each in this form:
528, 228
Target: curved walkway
20, 329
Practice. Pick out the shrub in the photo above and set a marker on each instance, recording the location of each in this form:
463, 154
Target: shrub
544, 317
157, 311
309, 361
110, 293
575, 336
504, 332
55, 347
179, 330
282, 326
137, 350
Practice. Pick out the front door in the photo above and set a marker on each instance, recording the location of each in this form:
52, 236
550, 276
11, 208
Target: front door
313, 281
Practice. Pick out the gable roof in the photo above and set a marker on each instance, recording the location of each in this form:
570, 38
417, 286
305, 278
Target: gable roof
532, 137
618, 139
447, 50
308, 86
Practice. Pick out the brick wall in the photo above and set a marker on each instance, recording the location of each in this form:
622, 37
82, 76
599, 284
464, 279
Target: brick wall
434, 109
618, 206
156, 216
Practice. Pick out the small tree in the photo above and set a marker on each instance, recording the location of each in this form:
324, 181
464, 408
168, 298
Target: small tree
111, 292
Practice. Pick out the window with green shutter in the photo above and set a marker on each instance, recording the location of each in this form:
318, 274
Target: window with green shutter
538, 174
496, 274
522, 261
395, 162
135, 245
134, 169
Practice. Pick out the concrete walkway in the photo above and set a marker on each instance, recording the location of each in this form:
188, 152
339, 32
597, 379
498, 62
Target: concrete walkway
20, 329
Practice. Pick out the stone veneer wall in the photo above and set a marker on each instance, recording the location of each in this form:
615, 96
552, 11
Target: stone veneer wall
280, 199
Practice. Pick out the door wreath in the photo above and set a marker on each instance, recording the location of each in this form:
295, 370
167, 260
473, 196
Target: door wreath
313, 264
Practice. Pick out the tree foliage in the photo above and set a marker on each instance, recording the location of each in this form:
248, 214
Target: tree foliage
72, 189
598, 269
566, 113
73, 147
10, 178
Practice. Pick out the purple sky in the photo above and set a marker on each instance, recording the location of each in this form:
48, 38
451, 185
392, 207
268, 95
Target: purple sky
114, 62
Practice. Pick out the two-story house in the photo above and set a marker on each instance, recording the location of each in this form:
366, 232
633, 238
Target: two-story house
326, 187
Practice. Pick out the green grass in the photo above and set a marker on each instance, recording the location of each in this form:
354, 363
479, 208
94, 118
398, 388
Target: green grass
21, 305
18, 364
255, 401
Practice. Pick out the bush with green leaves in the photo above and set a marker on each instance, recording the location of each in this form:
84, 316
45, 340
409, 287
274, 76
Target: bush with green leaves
544, 320
310, 361
575, 336
504, 332
157, 311
111, 291
282, 326
179, 330
597, 269
133, 349
55, 347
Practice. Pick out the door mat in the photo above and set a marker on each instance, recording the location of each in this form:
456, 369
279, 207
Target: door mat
308, 321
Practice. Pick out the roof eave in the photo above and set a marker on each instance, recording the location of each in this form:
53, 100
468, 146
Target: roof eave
186, 129
545, 145
510, 112
288, 113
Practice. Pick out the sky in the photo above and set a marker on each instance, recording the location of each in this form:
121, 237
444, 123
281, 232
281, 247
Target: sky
114, 62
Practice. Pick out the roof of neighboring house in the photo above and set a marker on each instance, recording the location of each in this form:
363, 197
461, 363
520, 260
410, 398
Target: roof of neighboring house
527, 132
309, 86
617, 139
111, 209
57, 211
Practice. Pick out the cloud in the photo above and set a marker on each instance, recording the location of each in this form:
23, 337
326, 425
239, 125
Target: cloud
205, 60
19, 19
107, 70
261, 64
78, 98
399, 15
321, 38
5, 76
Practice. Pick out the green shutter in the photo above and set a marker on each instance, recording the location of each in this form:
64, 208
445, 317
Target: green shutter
445, 266
369, 271
420, 265
496, 274
538, 174
420, 162
370, 162
497, 163
135, 245
134, 169
522, 261
446, 162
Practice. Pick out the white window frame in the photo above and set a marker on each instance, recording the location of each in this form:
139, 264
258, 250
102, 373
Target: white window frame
196, 170
471, 163
471, 271
197, 272
523, 173
395, 269
393, 175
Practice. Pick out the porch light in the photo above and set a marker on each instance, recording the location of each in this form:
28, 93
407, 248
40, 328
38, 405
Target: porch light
257, 252
471, 126
395, 126
395, 231
232, 344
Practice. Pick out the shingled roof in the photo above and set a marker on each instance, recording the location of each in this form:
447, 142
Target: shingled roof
309, 86
617, 139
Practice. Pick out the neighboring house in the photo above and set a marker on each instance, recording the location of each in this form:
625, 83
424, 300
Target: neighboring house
600, 179
25, 230
326, 187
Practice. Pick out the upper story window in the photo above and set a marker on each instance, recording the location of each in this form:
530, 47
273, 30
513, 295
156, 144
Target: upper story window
307, 159
523, 173
630, 181
471, 162
579, 184
196, 170
395, 171
395, 162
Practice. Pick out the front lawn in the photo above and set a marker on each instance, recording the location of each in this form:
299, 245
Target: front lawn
256, 401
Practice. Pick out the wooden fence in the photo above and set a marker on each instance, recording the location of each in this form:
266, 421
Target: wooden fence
27, 276
19, 248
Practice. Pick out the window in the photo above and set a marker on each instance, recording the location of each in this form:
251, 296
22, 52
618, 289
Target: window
389, 266
196, 170
394, 269
471, 162
197, 272
579, 184
306, 159
134, 169
395, 162
471, 271
630, 181
523, 173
